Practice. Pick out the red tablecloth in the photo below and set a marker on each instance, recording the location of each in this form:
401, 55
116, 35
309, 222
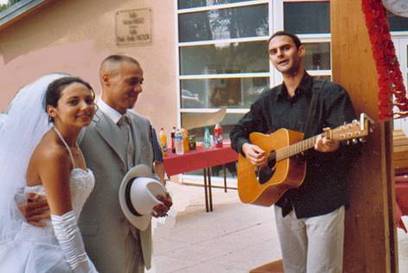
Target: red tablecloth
199, 159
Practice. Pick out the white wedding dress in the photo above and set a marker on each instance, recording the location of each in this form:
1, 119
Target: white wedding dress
36, 249
25, 248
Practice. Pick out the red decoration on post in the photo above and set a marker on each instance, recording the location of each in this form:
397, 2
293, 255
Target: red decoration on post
390, 81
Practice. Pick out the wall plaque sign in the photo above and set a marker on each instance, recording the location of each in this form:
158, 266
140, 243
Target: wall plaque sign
133, 27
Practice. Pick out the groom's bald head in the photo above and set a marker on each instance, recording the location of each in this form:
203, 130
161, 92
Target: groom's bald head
121, 80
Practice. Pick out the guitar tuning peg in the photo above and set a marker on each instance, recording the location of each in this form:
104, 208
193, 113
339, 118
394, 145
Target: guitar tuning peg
355, 121
362, 140
348, 142
355, 141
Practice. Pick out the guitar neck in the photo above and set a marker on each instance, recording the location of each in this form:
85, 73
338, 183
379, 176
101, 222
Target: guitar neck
294, 149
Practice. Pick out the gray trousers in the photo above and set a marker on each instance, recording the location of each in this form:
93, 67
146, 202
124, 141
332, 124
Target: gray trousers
311, 245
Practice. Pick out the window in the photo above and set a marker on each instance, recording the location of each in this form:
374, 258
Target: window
14, 10
185, 4
225, 23
227, 58
307, 17
315, 34
5, 4
222, 52
222, 92
317, 56
399, 33
397, 23
223, 59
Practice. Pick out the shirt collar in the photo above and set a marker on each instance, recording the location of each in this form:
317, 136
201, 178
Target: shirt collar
109, 111
305, 87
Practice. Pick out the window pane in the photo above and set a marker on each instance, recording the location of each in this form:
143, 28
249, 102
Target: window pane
225, 58
214, 93
397, 23
185, 4
224, 24
317, 56
308, 17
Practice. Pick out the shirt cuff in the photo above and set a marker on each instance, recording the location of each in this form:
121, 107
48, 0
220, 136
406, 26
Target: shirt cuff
240, 143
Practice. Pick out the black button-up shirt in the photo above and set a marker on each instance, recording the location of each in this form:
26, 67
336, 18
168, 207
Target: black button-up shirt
324, 187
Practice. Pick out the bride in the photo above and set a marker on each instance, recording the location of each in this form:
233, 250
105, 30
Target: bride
39, 154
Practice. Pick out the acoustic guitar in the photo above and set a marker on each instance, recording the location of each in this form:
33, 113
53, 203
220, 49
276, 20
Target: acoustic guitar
285, 168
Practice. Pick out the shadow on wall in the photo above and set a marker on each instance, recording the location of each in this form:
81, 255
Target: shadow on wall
59, 23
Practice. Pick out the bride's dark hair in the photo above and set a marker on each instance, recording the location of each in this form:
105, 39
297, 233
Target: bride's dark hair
55, 88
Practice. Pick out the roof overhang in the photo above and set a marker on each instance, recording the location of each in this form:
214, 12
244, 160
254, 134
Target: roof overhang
20, 10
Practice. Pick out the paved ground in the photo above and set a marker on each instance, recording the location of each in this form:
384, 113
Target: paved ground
234, 238
403, 249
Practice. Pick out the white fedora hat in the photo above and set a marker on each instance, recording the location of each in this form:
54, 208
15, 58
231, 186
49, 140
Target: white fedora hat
137, 195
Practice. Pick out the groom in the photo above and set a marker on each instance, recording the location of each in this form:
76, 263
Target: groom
112, 243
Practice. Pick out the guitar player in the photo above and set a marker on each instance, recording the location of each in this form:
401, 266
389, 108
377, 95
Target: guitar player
310, 219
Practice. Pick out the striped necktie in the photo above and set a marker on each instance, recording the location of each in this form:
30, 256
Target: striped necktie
126, 129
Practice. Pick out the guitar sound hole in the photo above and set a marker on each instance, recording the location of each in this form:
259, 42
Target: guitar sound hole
265, 173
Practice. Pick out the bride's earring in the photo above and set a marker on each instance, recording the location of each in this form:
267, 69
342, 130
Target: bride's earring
51, 114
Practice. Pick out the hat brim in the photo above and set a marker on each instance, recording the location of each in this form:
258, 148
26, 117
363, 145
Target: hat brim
140, 222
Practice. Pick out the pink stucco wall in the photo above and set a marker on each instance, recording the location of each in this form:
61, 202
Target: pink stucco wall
74, 36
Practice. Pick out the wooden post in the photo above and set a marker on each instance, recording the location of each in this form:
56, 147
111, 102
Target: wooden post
370, 244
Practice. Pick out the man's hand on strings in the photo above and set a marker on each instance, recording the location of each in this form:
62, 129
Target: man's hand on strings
254, 154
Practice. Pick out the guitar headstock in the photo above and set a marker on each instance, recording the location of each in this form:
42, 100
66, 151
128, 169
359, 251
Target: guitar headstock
357, 130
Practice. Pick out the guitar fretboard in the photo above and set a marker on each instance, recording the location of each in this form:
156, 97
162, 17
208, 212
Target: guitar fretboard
295, 149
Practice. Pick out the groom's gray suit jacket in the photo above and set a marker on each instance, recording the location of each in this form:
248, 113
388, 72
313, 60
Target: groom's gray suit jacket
108, 236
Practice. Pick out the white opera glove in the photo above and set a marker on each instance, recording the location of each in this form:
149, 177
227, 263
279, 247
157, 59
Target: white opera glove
70, 240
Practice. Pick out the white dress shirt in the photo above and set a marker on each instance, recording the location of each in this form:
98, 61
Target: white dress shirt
113, 114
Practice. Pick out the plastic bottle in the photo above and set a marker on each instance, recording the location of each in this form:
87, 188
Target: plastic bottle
163, 141
212, 142
186, 146
207, 138
192, 142
218, 136
172, 135
178, 142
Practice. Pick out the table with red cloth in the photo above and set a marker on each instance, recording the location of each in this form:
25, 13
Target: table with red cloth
401, 192
201, 158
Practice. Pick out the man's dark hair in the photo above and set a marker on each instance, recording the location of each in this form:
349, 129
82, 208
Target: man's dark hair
294, 38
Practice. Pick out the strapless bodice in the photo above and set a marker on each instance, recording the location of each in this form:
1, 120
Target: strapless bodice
37, 248
82, 183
